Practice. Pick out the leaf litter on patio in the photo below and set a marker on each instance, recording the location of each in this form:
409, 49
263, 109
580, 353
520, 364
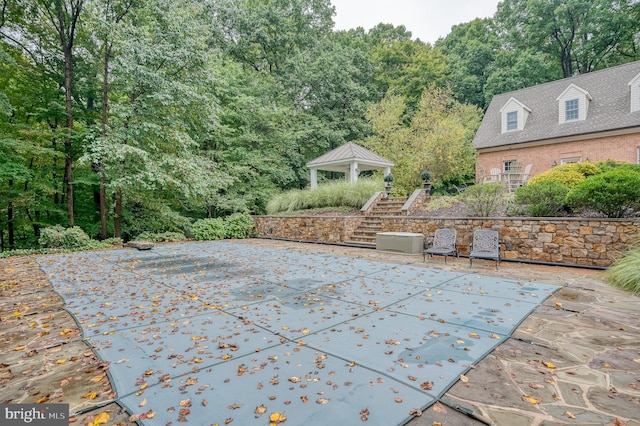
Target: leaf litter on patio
221, 332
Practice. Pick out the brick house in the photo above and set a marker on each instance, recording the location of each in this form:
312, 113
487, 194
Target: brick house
591, 117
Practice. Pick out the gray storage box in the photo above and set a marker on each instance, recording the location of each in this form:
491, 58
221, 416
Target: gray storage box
400, 242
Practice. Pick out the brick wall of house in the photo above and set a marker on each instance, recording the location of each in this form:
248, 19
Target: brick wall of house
577, 241
622, 148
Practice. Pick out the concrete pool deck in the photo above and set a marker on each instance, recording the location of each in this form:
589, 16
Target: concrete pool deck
574, 360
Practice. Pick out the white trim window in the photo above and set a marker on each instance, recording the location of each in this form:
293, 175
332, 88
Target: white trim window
512, 120
570, 160
571, 109
638, 155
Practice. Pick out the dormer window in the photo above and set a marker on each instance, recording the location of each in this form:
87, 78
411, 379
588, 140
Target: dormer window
635, 93
573, 104
514, 115
571, 110
512, 120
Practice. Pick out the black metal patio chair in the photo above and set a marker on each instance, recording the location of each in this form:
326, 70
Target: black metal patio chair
444, 244
486, 245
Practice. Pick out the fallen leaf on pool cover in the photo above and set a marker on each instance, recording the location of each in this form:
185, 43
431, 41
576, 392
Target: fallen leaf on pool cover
426, 386
276, 418
415, 412
463, 378
530, 399
364, 414
548, 364
185, 403
100, 419
260, 409
569, 414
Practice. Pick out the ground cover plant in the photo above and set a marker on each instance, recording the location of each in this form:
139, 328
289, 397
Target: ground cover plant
625, 272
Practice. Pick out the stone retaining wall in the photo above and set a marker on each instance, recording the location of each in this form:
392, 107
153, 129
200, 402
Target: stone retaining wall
577, 241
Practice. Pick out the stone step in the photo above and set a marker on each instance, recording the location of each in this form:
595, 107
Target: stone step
388, 212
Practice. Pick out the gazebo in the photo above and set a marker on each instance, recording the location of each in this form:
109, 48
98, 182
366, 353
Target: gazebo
350, 159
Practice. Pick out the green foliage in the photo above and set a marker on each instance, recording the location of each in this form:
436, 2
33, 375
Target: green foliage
209, 229
113, 241
332, 194
59, 237
485, 199
425, 175
239, 225
541, 199
625, 272
160, 237
563, 175
438, 137
615, 193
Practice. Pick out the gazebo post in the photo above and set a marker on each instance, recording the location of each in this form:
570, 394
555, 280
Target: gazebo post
314, 178
353, 172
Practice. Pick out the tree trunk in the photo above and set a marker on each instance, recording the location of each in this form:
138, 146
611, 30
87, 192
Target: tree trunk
117, 223
10, 227
105, 103
68, 161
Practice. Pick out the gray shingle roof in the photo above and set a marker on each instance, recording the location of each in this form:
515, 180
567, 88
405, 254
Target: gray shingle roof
610, 108
347, 153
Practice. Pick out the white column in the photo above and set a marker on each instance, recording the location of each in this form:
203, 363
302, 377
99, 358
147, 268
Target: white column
353, 169
314, 178
387, 170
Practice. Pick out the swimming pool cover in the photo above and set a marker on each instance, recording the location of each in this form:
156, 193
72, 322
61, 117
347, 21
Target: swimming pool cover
221, 332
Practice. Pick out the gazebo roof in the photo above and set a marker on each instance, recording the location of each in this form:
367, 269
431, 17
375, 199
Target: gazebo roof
339, 159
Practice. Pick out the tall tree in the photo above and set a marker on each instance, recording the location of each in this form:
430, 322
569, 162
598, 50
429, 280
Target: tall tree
581, 35
472, 48
264, 34
163, 109
46, 31
438, 138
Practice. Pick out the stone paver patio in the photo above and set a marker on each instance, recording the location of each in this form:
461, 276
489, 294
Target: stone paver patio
329, 343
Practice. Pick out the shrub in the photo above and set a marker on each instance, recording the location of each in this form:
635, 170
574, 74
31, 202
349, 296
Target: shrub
625, 272
59, 237
51, 236
567, 177
112, 241
158, 237
209, 229
239, 225
541, 199
614, 193
485, 199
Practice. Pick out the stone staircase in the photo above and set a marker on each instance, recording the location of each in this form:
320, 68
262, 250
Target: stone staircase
365, 234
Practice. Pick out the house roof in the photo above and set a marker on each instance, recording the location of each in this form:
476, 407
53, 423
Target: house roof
609, 108
340, 158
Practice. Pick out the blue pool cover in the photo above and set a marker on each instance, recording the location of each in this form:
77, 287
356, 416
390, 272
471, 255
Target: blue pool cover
222, 332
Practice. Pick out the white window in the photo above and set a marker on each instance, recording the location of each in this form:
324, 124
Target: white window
570, 160
512, 120
638, 159
508, 165
571, 110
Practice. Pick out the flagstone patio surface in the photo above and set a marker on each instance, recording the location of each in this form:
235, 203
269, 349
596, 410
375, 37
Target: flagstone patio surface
224, 331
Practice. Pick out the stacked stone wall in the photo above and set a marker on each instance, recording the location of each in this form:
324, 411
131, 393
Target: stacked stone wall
577, 241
